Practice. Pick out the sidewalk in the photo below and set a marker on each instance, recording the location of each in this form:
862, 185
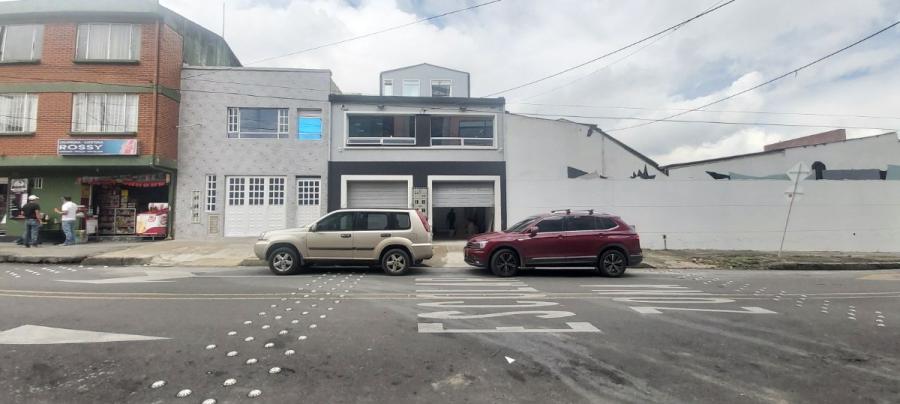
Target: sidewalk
239, 252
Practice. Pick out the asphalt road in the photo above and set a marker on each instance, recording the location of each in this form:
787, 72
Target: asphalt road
447, 335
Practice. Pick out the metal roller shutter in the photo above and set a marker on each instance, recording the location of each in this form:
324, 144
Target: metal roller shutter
462, 194
377, 194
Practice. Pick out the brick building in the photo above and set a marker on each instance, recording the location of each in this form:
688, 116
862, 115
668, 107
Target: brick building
89, 102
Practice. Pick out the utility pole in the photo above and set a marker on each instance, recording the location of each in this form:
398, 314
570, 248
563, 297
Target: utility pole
223, 19
797, 174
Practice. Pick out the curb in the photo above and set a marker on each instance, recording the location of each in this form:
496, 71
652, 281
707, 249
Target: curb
42, 260
823, 266
116, 261
252, 262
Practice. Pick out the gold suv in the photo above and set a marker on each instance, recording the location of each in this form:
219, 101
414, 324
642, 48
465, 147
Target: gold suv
395, 239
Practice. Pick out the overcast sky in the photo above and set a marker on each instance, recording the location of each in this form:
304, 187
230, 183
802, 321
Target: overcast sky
515, 41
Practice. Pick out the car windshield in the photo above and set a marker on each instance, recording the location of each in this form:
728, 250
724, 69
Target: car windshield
521, 226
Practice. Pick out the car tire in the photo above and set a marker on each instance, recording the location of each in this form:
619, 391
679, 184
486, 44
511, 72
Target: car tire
612, 263
285, 261
505, 263
395, 262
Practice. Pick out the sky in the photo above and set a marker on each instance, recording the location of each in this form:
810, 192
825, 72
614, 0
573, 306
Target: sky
513, 42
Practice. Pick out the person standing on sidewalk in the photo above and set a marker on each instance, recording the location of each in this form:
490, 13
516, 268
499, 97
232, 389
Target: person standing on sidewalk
32, 213
68, 211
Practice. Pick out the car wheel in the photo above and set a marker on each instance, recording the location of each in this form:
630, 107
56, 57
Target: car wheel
284, 261
395, 262
612, 263
505, 263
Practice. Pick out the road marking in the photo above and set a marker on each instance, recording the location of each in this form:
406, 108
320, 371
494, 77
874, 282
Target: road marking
657, 310
147, 278
458, 315
37, 335
429, 328
882, 277
509, 360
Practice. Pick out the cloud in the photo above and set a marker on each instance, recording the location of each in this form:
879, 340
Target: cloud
515, 41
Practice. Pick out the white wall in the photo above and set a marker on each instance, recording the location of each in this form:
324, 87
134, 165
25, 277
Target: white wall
874, 152
729, 215
539, 147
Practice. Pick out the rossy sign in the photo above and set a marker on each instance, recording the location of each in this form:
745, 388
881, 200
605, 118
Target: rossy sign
99, 147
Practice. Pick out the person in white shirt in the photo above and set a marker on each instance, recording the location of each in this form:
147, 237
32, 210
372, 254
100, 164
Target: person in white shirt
68, 211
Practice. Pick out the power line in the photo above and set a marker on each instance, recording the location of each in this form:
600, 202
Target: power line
764, 83
649, 44
325, 45
706, 121
671, 28
709, 110
394, 28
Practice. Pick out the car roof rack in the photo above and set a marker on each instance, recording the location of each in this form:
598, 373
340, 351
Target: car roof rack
570, 211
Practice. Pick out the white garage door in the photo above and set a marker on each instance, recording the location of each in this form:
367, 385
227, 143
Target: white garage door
462, 194
378, 194
254, 205
309, 201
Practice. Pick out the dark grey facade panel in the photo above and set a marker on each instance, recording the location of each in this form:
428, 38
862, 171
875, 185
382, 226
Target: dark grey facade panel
420, 170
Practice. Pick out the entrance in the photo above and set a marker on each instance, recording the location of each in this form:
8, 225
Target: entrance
254, 205
126, 205
461, 209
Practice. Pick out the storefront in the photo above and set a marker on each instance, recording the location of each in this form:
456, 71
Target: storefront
120, 194
126, 205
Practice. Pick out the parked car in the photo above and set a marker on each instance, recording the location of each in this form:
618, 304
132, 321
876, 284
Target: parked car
559, 238
394, 239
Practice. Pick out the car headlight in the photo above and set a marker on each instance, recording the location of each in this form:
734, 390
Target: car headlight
263, 236
479, 244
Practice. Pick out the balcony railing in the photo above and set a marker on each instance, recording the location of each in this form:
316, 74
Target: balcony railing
462, 141
381, 141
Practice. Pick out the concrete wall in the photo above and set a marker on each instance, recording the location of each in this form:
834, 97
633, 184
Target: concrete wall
537, 148
729, 215
874, 152
425, 73
205, 149
340, 152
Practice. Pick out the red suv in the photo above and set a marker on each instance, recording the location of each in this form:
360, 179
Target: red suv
559, 238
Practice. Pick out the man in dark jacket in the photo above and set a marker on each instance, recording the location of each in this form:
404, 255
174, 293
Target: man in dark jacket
32, 213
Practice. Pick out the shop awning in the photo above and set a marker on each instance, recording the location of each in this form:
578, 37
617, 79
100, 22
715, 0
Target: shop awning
137, 181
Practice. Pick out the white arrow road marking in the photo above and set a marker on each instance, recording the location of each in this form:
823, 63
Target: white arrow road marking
36, 335
510, 360
155, 276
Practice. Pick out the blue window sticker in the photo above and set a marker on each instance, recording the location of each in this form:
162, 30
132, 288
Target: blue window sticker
309, 128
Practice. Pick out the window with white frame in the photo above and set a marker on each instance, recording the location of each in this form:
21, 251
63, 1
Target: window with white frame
387, 87
276, 190
411, 88
462, 130
308, 191
257, 123
256, 190
110, 42
105, 113
211, 193
21, 43
441, 88
381, 130
236, 189
18, 113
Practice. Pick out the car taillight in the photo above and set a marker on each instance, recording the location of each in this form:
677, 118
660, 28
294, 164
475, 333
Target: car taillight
424, 220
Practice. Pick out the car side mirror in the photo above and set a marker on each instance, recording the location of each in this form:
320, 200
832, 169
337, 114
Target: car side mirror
532, 231
312, 227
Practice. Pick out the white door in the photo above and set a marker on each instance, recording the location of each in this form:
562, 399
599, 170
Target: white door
254, 205
309, 206
462, 194
378, 194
